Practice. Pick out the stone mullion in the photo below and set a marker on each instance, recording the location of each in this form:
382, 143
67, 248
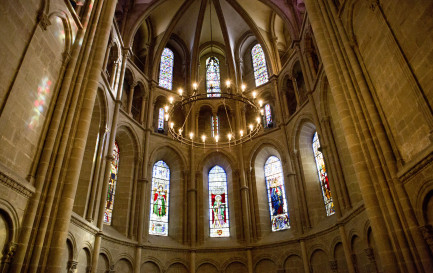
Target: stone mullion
131, 97
367, 188
114, 73
143, 109
295, 87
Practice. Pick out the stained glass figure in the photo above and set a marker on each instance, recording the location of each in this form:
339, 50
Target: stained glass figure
268, 115
259, 65
276, 194
213, 77
166, 69
215, 126
218, 203
109, 202
161, 119
323, 176
159, 199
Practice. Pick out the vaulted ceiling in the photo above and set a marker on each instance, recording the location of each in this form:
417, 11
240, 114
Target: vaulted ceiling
228, 25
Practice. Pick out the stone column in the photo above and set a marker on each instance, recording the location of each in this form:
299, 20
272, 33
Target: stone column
143, 109
346, 248
250, 261
72, 266
304, 257
295, 87
131, 98
109, 158
107, 56
370, 254
114, 73
245, 200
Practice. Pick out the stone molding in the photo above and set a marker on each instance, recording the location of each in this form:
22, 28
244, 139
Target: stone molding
15, 185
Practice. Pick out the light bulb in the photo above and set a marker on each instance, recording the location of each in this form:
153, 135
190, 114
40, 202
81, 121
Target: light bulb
166, 108
194, 86
180, 131
258, 119
241, 132
170, 99
191, 135
243, 87
262, 112
251, 127
260, 103
171, 125
203, 138
166, 117
216, 138
254, 94
180, 91
228, 83
229, 136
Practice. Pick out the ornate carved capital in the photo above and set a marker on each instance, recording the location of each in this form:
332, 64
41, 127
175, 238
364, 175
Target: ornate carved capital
333, 265
44, 21
72, 266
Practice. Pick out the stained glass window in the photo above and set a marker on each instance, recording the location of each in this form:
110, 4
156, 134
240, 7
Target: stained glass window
215, 126
213, 77
161, 118
276, 194
159, 199
259, 65
323, 176
268, 115
109, 202
166, 69
218, 203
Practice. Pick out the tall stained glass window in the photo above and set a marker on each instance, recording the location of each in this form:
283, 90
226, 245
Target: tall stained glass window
109, 202
159, 199
213, 77
166, 69
323, 176
276, 194
218, 203
161, 119
215, 126
268, 115
259, 65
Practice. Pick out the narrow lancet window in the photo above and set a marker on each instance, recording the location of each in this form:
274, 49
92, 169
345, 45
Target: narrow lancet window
323, 176
215, 126
166, 69
213, 77
159, 199
109, 202
161, 114
218, 203
268, 115
259, 65
276, 194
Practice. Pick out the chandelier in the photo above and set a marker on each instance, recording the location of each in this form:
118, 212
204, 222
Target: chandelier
187, 104
232, 138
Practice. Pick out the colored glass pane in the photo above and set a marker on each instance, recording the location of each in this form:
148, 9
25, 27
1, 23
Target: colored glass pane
109, 202
213, 77
215, 126
218, 203
259, 65
268, 115
166, 69
276, 194
159, 199
323, 176
161, 118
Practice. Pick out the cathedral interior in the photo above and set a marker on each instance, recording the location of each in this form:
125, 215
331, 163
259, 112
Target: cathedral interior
216, 136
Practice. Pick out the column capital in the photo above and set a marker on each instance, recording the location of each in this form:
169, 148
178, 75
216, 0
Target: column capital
333, 265
72, 266
44, 20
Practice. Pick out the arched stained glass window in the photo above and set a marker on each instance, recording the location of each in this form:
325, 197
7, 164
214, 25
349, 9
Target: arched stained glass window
213, 77
268, 115
218, 203
259, 65
323, 176
166, 69
161, 119
215, 126
276, 194
159, 199
109, 202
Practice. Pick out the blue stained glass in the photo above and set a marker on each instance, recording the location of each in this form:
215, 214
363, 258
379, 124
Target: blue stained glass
213, 86
218, 203
259, 65
276, 194
268, 114
109, 202
323, 176
159, 204
215, 126
166, 69
161, 118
